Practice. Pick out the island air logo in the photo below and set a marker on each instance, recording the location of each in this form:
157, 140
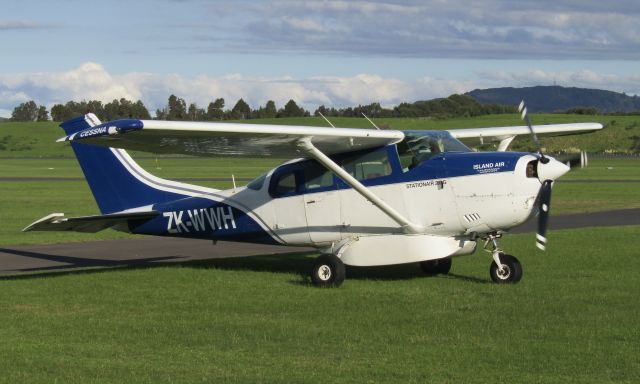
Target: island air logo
488, 167
200, 220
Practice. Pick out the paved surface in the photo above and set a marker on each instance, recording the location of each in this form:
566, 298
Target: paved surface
18, 260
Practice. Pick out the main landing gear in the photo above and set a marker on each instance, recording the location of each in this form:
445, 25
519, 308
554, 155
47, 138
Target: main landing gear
505, 269
328, 271
436, 267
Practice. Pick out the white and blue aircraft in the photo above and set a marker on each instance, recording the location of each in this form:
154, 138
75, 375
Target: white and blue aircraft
362, 197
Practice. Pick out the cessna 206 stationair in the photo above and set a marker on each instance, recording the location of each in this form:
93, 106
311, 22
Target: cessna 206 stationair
363, 197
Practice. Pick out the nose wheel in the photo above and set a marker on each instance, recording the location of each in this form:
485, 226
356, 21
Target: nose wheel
509, 271
505, 269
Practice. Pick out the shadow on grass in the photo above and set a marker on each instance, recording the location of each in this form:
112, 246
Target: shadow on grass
291, 263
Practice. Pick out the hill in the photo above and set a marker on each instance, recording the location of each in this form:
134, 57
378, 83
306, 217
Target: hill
556, 98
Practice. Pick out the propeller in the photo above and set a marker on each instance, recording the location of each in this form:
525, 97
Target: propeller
543, 214
548, 170
525, 116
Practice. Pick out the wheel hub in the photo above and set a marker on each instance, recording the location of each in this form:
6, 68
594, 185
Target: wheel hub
504, 272
324, 272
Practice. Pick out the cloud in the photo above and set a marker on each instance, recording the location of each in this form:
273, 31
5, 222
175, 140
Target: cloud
92, 81
435, 29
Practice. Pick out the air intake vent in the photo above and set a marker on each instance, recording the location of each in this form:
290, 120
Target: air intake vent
471, 217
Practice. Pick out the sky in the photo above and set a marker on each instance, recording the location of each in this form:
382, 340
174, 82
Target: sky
336, 53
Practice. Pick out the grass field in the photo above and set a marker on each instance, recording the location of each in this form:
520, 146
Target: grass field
573, 319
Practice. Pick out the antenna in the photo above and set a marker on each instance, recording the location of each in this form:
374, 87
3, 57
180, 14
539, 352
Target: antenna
372, 123
233, 180
327, 120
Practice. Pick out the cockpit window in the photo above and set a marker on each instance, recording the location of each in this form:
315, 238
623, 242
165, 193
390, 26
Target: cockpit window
419, 146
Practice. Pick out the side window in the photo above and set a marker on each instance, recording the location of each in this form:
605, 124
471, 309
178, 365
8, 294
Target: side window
368, 166
317, 176
285, 184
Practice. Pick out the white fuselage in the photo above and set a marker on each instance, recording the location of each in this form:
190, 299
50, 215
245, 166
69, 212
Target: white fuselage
450, 209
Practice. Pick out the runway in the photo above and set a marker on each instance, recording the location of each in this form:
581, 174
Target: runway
52, 258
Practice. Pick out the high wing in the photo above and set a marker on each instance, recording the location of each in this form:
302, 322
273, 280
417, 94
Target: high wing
89, 224
475, 136
229, 139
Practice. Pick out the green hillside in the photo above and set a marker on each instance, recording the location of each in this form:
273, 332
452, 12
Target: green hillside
556, 98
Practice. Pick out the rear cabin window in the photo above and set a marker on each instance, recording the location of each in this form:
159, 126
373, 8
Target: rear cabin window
317, 176
368, 166
310, 176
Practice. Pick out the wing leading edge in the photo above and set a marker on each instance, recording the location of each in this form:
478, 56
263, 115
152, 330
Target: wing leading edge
506, 134
229, 139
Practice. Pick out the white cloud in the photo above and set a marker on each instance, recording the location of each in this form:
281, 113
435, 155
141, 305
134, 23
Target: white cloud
92, 81
436, 29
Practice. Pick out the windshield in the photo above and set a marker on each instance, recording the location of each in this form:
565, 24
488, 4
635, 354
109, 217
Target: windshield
419, 146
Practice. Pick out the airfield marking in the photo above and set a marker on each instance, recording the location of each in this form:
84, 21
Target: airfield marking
42, 258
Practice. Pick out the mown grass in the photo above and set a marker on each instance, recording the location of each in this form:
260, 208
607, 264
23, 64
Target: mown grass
572, 319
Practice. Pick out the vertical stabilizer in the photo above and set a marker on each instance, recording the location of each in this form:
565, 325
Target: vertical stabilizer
117, 182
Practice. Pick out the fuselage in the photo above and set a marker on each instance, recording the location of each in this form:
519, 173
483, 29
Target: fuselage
444, 188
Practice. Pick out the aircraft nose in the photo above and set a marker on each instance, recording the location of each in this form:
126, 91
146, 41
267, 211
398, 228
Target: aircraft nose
552, 170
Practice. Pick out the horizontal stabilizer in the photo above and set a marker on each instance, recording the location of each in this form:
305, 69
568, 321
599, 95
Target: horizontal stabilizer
89, 224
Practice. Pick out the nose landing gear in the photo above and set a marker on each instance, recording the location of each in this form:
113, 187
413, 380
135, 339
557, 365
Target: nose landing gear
505, 269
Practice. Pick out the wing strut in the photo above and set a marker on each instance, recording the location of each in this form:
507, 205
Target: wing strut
308, 148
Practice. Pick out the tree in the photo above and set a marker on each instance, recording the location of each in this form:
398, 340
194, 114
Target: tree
270, 109
266, 112
177, 108
291, 109
25, 112
60, 112
43, 114
195, 113
215, 110
241, 110
139, 111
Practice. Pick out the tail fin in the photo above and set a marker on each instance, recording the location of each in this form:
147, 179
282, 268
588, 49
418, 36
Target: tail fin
117, 182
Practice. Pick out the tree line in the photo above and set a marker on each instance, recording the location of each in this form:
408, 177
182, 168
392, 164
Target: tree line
177, 109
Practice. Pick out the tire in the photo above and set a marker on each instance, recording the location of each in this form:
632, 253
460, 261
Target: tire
436, 267
512, 272
328, 271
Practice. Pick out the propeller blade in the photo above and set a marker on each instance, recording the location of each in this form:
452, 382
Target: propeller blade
543, 215
525, 116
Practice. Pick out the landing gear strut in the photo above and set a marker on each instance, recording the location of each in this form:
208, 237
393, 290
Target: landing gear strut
505, 269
